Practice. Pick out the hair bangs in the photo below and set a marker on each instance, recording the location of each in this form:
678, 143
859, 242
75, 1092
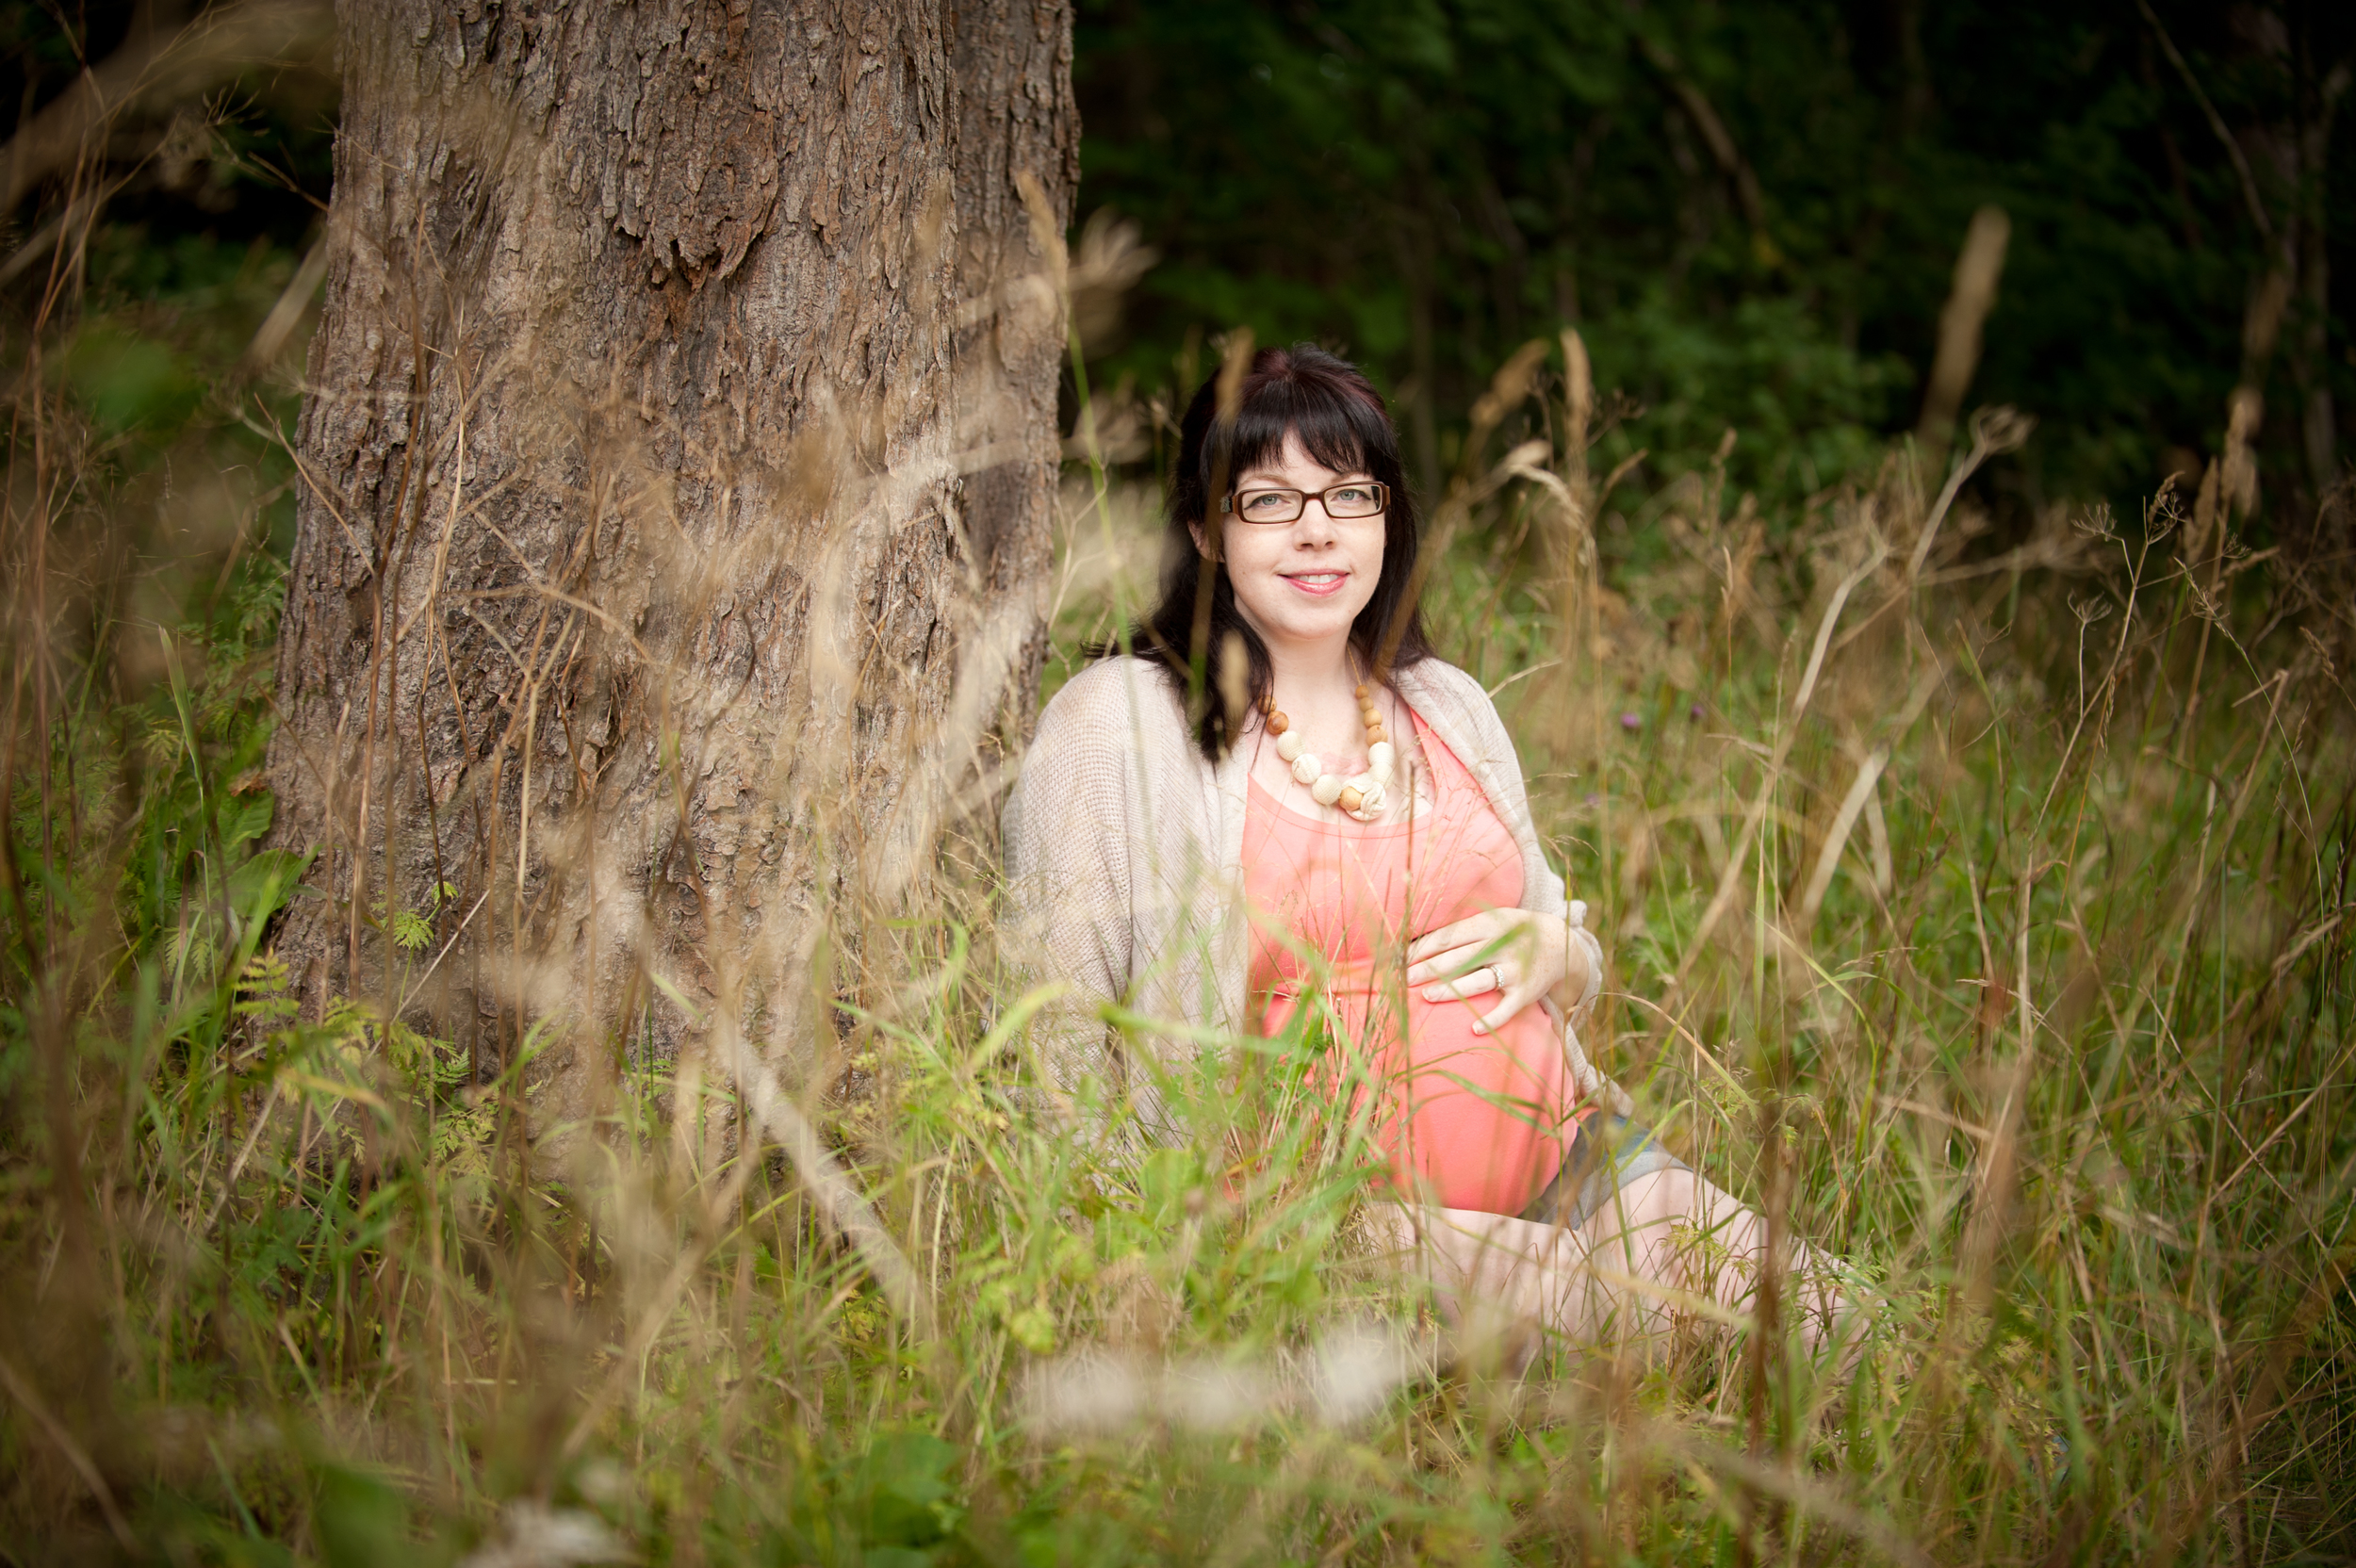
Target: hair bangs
1339, 424
1336, 429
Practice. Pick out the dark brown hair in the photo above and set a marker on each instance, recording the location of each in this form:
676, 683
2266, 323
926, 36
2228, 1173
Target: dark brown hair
1342, 423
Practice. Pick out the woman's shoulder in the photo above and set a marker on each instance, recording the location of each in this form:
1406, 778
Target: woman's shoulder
1113, 734
1120, 688
1437, 688
1443, 678
1455, 704
1118, 704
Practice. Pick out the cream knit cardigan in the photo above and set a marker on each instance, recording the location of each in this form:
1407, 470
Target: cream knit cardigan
1124, 876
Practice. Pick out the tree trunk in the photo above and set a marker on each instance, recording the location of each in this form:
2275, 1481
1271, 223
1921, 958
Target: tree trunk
678, 468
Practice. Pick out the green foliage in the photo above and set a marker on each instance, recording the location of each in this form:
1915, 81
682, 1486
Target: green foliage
1806, 411
128, 381
1429, 183
362, 1521
663, 1350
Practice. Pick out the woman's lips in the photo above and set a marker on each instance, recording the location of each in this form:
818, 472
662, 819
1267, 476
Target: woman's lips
1322, 584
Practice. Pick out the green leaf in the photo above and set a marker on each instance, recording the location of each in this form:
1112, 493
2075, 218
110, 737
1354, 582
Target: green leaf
897, 1557
1169, 1176
129, 381
246, 818
262, 989
410, 931
1034, 1329
909, 1494
360, 1520
261, 886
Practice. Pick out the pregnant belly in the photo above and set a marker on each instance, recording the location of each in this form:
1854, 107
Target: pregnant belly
1470, 1121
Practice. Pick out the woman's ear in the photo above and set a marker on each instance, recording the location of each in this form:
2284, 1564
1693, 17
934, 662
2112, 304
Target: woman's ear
1202, 540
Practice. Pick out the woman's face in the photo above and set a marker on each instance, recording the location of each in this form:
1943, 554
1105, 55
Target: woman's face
1302, 582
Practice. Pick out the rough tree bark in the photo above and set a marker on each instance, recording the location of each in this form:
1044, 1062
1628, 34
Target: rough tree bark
678, 464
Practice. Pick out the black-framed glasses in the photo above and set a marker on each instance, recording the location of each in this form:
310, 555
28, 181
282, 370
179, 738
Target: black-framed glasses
1271, 504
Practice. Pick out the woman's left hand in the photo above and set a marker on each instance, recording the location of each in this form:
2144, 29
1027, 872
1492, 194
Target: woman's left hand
1519, 953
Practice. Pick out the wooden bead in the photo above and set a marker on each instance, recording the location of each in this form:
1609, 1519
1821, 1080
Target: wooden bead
1278, 724
1361, 691
1349, 799
1374, 735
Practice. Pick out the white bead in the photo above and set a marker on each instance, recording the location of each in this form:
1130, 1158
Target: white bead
1381, 757
1370, 796
1579, 913
1305, 767
1327, 789
1288, 745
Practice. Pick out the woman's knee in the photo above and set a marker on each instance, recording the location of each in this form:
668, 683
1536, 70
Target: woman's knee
1652, 1201
1676, 1221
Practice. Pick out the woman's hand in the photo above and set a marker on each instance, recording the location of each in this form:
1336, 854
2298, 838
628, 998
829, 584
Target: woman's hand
1518, 953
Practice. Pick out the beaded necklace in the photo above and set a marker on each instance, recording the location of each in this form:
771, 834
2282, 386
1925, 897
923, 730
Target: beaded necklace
1362, 795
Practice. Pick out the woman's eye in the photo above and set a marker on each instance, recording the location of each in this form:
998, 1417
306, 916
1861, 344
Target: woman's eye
1265, 500
1352, 494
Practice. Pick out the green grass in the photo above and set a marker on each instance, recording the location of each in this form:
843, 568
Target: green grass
2061, 1066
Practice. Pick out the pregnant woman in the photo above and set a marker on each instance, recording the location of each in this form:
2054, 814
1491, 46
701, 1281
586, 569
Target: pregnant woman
1347, 824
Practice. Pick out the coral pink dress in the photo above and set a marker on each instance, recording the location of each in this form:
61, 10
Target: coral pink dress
1471, 1122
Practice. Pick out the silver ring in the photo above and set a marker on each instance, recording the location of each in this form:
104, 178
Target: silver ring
1495, 982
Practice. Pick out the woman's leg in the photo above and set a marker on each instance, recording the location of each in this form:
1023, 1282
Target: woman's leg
1674, 1230
1672, 1241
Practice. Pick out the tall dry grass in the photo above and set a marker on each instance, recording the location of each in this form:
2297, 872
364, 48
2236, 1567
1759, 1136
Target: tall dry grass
1977, 909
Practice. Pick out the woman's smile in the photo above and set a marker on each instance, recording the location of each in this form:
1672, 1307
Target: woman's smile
1322, 582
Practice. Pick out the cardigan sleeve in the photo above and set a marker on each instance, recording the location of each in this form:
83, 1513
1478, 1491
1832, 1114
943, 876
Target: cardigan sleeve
1105, 837
1068, 911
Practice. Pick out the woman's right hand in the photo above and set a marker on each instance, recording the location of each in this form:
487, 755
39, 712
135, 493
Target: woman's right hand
1519, 953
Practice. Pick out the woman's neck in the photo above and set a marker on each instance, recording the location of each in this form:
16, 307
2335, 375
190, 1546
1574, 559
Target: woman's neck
1314, 669
1316, 687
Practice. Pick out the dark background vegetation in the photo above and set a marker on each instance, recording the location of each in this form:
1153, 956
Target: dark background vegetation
1749, 209
1428, 185
208, 203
